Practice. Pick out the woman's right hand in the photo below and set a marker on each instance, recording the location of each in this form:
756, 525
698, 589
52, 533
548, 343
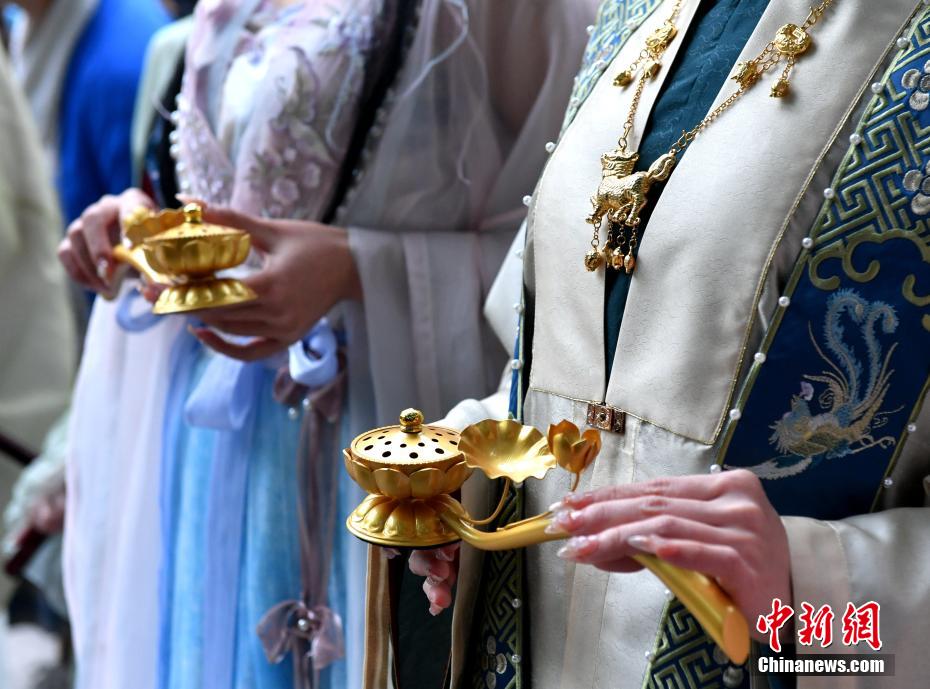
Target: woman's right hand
86, 252
440, 567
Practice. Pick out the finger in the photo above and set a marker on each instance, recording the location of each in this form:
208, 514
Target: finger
82, 255
440, 570
720, 561
453, 575
76, 268
636, 537
221, 317
390, 553
439, 595
101, 231
263, 232
66, 258
252, 351
262, 282
420, 562
185, 199
132, 199
151, 291
623, 565
689, 487
599, 516
448, 552
244, 328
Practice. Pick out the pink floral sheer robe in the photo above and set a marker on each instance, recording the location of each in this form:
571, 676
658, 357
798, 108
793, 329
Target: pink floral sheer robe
458, 143
265, 115
268, 112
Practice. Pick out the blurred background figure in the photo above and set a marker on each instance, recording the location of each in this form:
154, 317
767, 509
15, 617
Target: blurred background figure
79, 62
38, 344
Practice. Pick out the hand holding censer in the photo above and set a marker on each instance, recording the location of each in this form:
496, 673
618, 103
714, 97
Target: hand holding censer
177, 249
411, 470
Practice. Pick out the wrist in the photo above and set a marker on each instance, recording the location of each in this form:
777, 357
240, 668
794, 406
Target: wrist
351, 282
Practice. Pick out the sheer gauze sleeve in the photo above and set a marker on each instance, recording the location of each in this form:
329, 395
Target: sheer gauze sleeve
441, 197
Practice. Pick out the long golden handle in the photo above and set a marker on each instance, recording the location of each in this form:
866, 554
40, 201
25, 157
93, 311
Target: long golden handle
703, 597
709, 604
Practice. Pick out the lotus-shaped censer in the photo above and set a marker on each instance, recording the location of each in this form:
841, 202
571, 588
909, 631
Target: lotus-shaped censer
411, 470
175, 248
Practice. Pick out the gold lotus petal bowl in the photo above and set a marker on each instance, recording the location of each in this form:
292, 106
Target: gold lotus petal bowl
408, 471
402, 523
507, 449
427, 483
178, 248
456, 476
361, 474
393, 483
409, 460
377, 513
198, 253
202, 294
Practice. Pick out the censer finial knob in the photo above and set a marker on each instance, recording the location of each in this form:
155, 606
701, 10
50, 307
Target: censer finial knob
411, 420
193, 214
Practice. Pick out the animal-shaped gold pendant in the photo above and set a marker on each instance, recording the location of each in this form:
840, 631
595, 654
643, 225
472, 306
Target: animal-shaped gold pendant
621, 196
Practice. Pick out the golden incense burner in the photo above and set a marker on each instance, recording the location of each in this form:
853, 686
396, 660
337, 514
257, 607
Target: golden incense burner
411, 470
175, 248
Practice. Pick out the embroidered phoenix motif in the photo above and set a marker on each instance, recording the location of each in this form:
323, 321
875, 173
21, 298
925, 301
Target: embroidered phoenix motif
841, 419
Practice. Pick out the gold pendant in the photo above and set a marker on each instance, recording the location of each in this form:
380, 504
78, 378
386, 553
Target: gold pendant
622, 195
616, 259
592, 260
792, 40
629, 264
660, 39
625, 78
747, 74
780, 89
656, 45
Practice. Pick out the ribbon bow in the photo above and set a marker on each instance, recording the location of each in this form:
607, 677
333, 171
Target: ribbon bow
290, 626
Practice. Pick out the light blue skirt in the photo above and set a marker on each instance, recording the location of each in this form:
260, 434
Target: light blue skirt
269, 555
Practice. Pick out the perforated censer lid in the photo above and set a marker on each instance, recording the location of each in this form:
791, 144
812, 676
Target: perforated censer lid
410, 444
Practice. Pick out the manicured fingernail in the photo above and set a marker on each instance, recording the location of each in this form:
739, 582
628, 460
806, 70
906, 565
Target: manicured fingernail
444, 556
564, 522
576, 498
555, 528
557, 506
434, 610
577, 547
433, 581
643, 543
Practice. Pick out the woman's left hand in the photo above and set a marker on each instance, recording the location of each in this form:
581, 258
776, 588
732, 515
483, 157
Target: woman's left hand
720, 524
307, 269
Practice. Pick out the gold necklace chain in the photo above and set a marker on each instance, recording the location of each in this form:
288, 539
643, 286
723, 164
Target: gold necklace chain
621, 195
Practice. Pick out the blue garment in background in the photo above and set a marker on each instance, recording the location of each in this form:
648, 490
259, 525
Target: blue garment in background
98, 100
714, 41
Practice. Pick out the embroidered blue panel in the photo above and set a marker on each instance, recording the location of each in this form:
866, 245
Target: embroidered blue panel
844, 368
